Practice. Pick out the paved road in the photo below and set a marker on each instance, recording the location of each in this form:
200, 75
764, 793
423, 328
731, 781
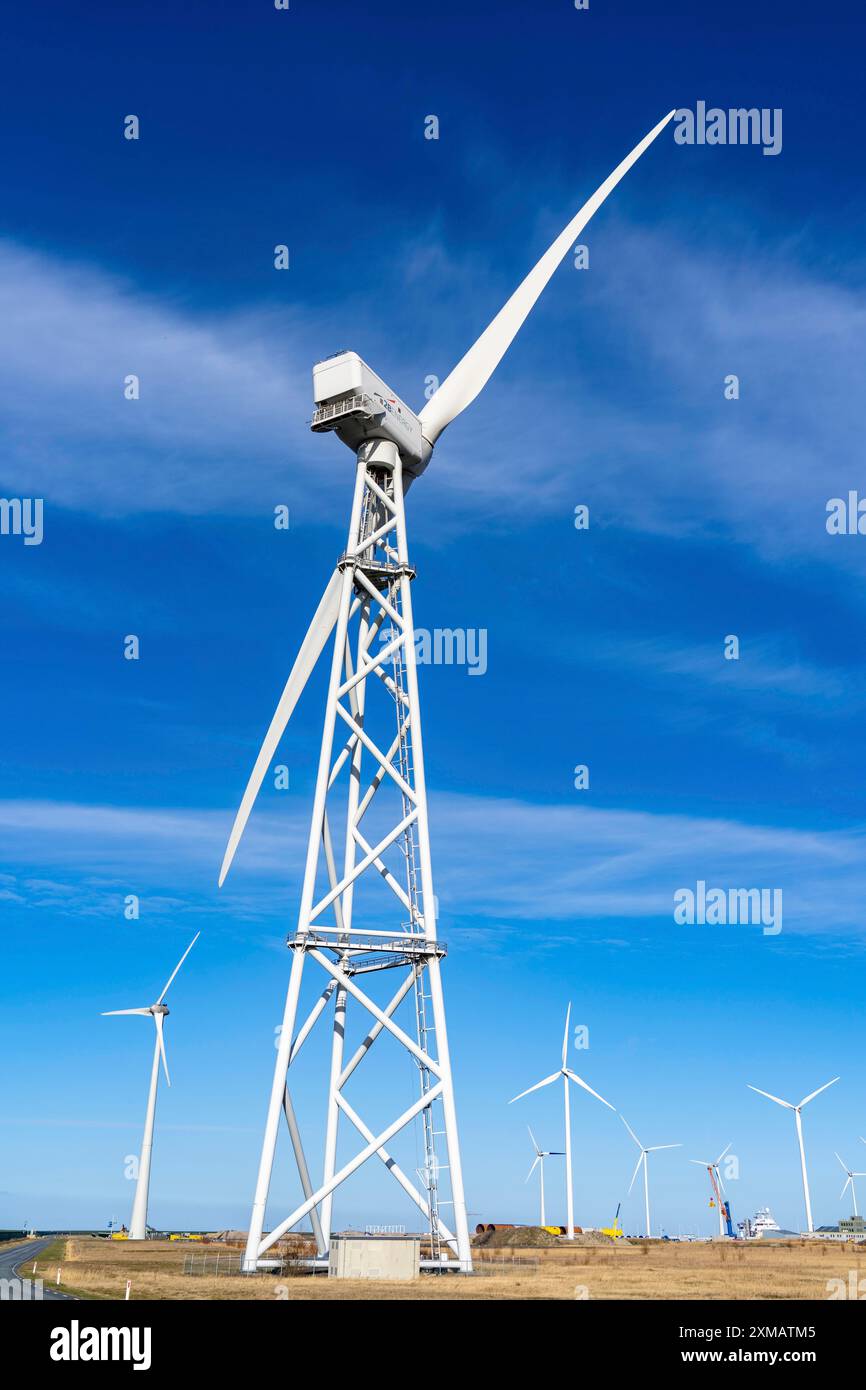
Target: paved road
16, 1255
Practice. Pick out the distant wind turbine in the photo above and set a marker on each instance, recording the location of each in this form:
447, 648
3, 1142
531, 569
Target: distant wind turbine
158, 1012
540, 1156
716, 1182
796, 1109
567, 1075
642, 1159
849, 1182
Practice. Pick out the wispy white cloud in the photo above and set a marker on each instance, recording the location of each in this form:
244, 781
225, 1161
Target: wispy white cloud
613, 389
768, 666
497, 861
222, 399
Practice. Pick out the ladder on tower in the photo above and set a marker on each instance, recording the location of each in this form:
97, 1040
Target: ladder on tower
430, 1172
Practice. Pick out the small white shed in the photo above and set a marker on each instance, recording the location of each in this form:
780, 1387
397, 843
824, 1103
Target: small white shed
374, 1257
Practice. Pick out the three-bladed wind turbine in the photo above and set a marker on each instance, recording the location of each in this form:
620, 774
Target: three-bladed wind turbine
799, 1123
716, 1183
368, 601
158, 1012
642, 1159
850, 1175
567, 1075
538, 1161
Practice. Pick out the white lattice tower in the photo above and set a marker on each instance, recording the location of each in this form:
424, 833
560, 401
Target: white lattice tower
369, 824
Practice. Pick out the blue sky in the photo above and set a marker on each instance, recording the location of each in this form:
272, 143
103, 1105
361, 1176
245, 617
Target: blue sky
604, 647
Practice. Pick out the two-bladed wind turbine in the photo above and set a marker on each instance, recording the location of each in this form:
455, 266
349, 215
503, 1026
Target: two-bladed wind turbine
368, 599
158, 1012
642, 1159
716, 1183
799, 1123
538, 1162
567, 1075
850, 1175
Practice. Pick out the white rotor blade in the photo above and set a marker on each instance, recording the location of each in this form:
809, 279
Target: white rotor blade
177, 967
631, 1131
534, 1141
115, 1013
701, 1163
636, 1170
787, 1104
718, 1177
654, 1147
573, 1076
722, 1154
158, 1020
843, 1166
848, 1183
546, 1082
818, 1092
565, 1037
475, 369
311, 649
535, 1163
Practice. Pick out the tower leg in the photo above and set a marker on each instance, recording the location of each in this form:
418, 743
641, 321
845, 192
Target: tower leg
303, 1169
138, 1220
269, 1143
799, 1121
332, 1124
449, 1109
461, 1225
569, 1189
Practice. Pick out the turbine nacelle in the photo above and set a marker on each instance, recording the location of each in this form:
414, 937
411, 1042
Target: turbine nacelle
358, 406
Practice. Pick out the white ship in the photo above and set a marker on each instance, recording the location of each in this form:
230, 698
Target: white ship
763, 1223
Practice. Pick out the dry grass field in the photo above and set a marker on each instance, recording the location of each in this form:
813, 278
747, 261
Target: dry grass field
799, 1270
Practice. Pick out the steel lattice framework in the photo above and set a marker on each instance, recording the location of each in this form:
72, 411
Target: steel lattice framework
376, 764
362, 780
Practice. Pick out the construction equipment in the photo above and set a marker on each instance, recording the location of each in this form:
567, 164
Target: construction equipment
717, 1199
614, 1231
723, 1204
